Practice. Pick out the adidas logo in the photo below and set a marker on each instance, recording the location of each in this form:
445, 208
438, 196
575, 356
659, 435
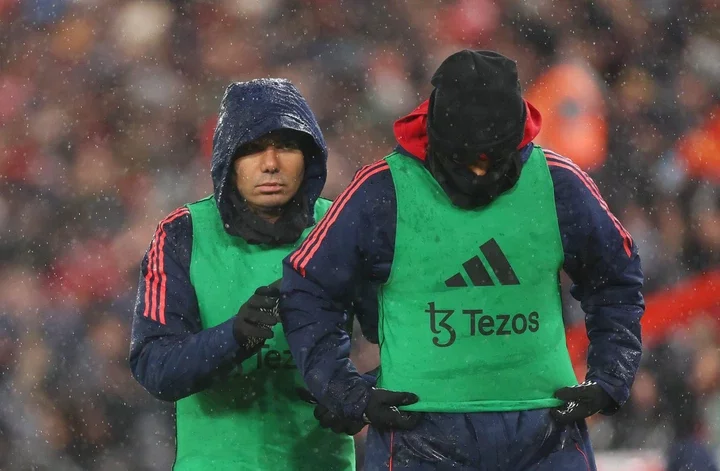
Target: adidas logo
477, 273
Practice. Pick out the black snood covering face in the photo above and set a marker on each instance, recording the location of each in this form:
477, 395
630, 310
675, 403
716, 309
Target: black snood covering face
244, 223
467, 190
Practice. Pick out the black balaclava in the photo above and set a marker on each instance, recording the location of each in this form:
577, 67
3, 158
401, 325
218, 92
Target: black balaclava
476, 109
295, 214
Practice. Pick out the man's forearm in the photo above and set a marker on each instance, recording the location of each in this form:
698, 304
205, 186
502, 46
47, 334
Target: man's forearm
174, 367
321, 350
615, 348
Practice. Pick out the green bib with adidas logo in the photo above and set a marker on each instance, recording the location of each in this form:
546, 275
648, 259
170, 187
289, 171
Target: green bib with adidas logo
471, 315
252, 419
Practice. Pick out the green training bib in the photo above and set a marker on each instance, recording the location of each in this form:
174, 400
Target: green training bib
471, 315
252, 420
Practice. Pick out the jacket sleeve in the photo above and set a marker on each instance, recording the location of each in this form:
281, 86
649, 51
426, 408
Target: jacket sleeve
171, 356
346, 253
604, 266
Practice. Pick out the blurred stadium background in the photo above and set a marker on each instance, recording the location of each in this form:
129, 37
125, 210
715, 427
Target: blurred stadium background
107, 109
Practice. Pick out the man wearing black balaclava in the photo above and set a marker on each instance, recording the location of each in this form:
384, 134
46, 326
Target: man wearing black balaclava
463, 230
476, 119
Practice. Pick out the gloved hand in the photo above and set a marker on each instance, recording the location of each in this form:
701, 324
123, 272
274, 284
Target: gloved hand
330, 420
382, 411
254, 321
582, 401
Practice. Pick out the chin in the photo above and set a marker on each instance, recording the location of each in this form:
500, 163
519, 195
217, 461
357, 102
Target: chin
271, 201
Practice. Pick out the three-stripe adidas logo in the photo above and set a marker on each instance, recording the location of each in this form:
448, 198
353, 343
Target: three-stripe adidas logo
477, 273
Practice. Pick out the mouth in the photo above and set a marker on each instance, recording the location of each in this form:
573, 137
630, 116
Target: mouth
270, 187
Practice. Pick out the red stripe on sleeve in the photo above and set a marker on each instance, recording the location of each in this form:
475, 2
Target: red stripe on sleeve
341, 202
148, 311
592, 186
156, 279
317, 234
163, 278
557, 161
605, 206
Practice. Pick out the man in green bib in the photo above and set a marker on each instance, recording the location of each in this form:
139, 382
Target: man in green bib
463, 230
205, 330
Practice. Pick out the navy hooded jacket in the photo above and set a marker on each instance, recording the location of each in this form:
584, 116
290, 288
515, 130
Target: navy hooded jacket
352, 248
171, 354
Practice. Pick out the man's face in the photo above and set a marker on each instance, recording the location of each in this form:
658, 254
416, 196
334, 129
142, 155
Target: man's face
269, 171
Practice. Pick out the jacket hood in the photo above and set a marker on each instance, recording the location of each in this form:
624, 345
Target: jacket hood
411, 130
252, 109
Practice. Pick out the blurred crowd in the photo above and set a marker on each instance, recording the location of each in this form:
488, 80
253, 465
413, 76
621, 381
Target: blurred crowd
107, 109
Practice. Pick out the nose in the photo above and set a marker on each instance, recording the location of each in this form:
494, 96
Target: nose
479, 168
270, 160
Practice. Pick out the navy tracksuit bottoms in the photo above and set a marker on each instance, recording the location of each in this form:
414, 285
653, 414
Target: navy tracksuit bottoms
487, 441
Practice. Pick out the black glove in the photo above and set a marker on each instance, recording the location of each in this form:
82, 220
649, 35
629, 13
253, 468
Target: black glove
254, 321
382, 411
328, 419
582, 401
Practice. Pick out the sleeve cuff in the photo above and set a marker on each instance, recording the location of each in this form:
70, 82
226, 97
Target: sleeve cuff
370, 379
616, 389
227, 343
349, 401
